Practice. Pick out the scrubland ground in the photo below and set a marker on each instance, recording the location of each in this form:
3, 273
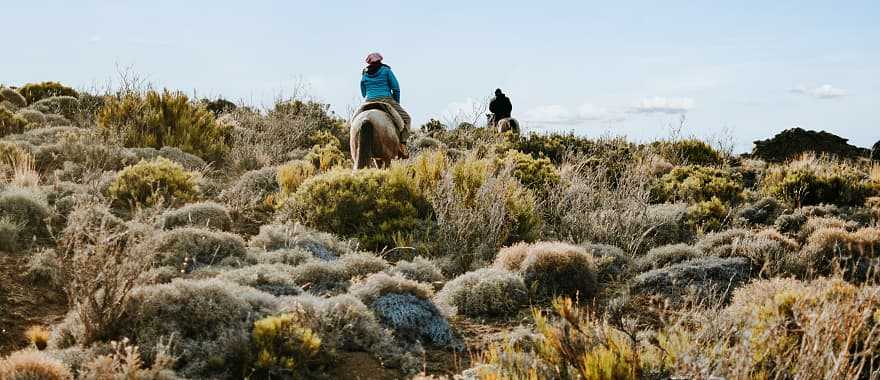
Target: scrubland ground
145, 235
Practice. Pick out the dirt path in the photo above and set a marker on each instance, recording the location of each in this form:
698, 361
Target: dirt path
23, 303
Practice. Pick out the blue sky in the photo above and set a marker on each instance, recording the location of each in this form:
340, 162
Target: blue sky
744, 69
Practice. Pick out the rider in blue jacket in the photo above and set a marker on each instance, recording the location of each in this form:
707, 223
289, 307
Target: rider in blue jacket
378, 84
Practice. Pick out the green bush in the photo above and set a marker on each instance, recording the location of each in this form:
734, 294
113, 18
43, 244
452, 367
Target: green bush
150, 183
813, 184
326, 157
291, 175
535, 174
11, 123
167, 119
688, 152
697, 184
34, 92
711, 215
370, 205
286, 348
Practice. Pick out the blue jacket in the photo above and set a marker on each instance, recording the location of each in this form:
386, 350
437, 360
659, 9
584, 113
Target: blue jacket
380, 84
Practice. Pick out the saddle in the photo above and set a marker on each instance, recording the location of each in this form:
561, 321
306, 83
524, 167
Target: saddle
399, 125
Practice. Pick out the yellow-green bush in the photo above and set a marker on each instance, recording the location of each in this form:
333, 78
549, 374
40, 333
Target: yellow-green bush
11, 123
535, 174
149, 183
292, 174
34, 92
709, 215
697, 184
165, 119
286, 348
688, 152
326, 157
817, 182
370, 205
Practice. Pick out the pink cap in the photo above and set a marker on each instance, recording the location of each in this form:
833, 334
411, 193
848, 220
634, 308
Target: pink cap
374, 58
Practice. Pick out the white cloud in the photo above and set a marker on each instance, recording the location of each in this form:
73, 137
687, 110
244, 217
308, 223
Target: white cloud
561, 115
826, 91
659, 104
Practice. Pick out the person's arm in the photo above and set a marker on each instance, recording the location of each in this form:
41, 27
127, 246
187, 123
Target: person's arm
395, 87
363, 88
493, 105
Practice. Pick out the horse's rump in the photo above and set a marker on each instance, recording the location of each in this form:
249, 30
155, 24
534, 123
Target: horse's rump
399, 125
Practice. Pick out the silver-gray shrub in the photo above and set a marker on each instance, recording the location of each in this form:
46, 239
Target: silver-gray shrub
322, 245
203, 214
414, 319
209, 320
200, 246
484, 292
275, 279
321, 277
187, 160
32, 116
667, 255
419, 269
67, 106
706, 278
289, 256
28, 209
361, 264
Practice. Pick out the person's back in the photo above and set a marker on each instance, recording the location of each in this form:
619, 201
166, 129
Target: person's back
378, 84
500, 106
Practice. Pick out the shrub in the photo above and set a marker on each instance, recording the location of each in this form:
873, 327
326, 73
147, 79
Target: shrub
321, 277
32, 116
485, 292
784, 328
855, 254
188, 161
150, 183
203, 214
666, 255
289, 256
219, 106
697, 184
32, 365
291, 175
66, 106
405, 306
86, 218
34, 92
709, 215
11, 123
124, 362
285, 347
552, 268
166, 119
283, 236
708, 279
13, 97
612, 264
326, 157
419, 269
762, 212
370, 205
26, 212
209, 320
535, 174
361, 264
191, 248
9, 234
275, 279
814, 224
811, 182
251, 199
344, 323
688, 152
45, 267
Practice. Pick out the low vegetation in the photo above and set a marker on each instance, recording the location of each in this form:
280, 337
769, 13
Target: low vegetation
145, 235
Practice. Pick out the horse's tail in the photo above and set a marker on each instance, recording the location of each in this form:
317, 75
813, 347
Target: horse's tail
365, 144
514, 125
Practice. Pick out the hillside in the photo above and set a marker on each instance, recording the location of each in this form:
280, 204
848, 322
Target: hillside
147, 235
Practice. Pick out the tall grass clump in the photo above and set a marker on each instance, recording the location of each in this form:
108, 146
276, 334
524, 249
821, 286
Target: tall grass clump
552, 269
163, 119
33, 365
